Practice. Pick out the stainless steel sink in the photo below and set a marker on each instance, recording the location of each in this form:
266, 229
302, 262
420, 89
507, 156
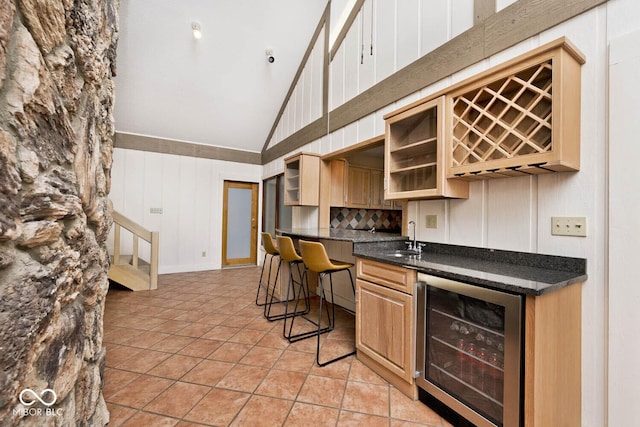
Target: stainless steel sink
403, 253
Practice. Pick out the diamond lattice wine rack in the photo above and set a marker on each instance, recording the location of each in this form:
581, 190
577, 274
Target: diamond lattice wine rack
522, 117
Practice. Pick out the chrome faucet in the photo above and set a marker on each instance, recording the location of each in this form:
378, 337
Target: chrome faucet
412, 244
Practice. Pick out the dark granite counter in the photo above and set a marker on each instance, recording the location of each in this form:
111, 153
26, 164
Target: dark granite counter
356, 236
516, 272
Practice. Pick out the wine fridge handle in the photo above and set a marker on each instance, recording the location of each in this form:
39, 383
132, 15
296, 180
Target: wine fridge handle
420, 292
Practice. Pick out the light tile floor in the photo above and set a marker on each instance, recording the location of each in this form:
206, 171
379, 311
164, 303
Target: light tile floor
198, 351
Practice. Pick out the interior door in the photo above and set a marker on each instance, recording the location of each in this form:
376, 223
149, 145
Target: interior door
239, 223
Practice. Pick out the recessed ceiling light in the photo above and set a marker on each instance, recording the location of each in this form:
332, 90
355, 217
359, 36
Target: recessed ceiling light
197, 30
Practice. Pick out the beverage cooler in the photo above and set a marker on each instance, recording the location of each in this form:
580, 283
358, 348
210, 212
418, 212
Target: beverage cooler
469, 350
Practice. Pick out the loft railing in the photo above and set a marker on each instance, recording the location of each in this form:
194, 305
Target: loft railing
130, 270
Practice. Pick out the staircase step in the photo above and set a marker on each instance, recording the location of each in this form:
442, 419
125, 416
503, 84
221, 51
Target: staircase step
129, 277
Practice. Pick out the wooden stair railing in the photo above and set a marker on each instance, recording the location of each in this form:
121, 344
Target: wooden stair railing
129, 270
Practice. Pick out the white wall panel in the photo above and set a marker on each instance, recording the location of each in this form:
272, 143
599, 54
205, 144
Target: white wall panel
318, 79
366, 69
461, 16
624, 235
367, 128
408, 32
169, 253
467, 217
511, 214
352, 50
434, 30
431, 207
336, 79
385, 39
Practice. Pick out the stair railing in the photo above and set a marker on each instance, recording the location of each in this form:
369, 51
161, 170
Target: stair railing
138, 232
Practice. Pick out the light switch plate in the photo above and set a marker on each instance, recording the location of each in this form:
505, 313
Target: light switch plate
569, 226
432, 221
155, 210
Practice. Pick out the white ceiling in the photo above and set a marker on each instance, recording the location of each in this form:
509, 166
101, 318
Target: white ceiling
219, 90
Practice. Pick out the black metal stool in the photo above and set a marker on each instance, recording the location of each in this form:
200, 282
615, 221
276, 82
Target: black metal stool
300, 289
269, 249
316, 260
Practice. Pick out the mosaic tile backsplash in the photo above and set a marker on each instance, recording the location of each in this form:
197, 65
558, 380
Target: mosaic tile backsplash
364, 219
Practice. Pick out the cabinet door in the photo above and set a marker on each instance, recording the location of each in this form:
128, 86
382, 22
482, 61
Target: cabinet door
358, 187
338, 182
385, 328
377, 191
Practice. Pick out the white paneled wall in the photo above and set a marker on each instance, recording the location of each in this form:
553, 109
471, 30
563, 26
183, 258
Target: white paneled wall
189, 191
305, 103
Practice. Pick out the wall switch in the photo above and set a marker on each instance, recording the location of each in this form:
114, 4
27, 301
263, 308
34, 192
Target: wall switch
204, 254
432, 221
569, 226
155, 210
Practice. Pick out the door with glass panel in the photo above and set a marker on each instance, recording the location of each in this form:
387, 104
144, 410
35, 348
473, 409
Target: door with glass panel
239, 223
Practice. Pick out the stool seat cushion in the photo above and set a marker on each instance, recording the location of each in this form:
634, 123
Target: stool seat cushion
316, 259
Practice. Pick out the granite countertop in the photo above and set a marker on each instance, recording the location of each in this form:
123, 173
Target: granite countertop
516, 272
359, 236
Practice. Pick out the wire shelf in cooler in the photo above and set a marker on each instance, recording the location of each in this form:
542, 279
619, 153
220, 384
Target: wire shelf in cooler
460, 319
466, 384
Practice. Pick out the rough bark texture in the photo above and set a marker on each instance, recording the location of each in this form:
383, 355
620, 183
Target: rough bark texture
57, 60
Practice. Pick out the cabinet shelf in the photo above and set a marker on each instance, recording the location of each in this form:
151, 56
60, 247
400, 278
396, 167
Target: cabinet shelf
414, 154
302, 173
415, 167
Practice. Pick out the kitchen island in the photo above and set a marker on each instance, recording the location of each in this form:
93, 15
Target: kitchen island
340, 245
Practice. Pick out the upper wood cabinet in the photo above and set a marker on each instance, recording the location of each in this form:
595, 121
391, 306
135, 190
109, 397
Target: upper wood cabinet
358, 187
415, 154
521, 117
338, 194
301, 180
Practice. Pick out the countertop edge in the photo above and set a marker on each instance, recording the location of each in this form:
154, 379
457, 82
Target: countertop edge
507, 283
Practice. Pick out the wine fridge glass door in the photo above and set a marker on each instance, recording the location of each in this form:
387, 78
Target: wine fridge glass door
469, 349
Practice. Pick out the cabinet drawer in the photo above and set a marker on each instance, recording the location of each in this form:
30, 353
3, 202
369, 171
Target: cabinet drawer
398, 278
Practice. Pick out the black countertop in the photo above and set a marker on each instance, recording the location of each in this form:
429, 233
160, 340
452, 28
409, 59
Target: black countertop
516, 272
356, 236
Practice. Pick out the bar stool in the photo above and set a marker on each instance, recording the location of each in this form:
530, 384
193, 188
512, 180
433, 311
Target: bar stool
288, 254
315, 258
269, 249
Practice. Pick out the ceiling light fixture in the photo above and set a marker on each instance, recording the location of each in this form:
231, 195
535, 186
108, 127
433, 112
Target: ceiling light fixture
197, 30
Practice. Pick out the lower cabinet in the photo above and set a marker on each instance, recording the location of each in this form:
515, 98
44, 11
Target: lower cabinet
385, 322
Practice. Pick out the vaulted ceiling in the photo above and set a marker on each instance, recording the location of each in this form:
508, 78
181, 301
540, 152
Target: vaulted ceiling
219, 90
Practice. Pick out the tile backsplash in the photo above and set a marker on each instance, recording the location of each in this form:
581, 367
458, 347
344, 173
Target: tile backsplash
364, 219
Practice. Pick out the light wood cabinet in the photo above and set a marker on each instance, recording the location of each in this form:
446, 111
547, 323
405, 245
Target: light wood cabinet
385, 322
358, 187
365, 189
521, 117
301, 180
339, 178
415, 154
376, 197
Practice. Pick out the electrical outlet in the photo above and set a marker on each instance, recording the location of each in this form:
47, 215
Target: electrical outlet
432, 221
569, 226
155, 210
